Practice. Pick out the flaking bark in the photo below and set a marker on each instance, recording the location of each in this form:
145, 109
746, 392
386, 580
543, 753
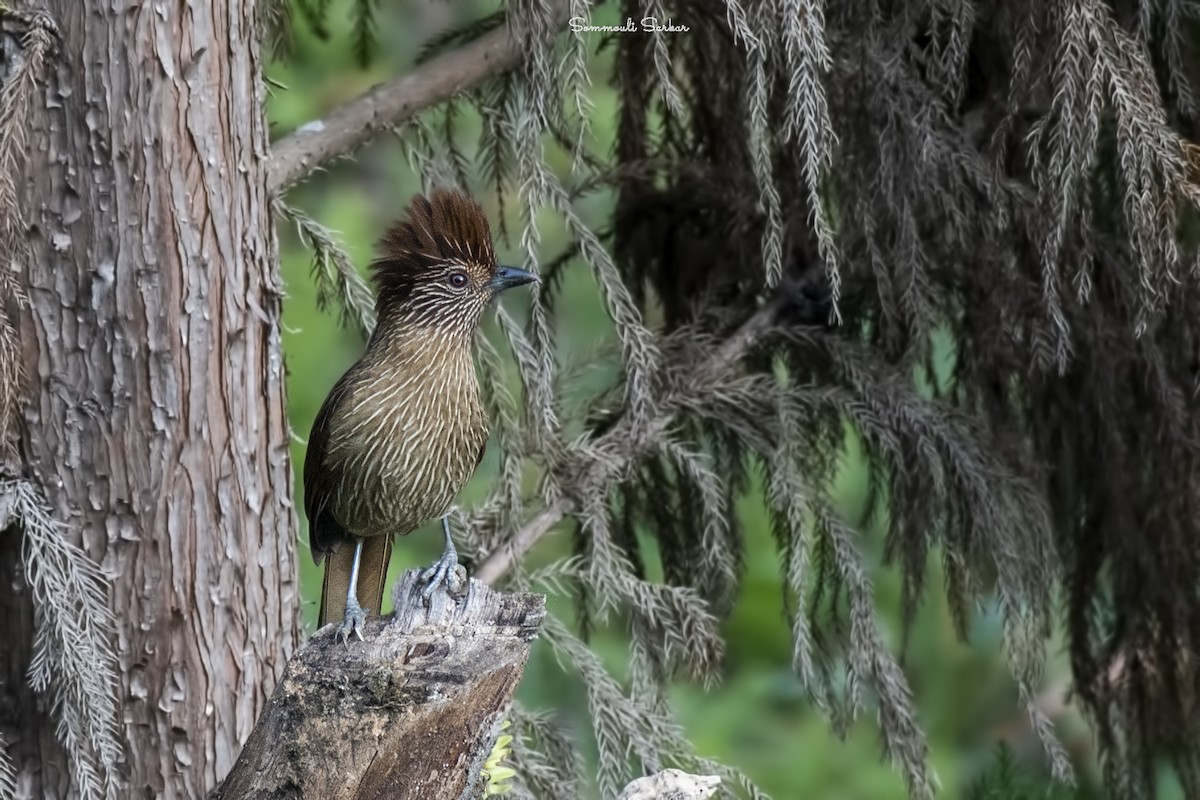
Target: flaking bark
155, 421
411, 712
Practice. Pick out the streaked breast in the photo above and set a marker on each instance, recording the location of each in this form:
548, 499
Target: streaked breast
406, 443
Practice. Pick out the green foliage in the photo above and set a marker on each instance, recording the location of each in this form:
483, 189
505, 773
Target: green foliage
364, 31
1004, 781
497, 773
828, 289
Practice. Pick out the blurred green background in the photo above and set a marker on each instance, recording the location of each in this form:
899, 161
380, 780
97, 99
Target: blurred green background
758, 719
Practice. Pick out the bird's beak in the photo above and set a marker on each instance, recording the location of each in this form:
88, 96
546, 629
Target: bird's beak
508, 277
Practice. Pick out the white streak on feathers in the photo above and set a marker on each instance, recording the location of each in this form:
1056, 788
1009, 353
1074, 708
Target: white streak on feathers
398, 456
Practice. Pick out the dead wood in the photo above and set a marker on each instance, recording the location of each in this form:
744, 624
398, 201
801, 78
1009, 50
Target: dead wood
411, 712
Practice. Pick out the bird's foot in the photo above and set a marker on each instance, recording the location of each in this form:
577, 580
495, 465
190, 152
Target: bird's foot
446, 570
353, 622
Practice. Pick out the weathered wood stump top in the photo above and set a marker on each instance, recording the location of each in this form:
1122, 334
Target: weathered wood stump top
411, 712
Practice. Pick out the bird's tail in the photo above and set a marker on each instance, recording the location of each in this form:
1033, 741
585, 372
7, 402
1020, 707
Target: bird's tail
372, 579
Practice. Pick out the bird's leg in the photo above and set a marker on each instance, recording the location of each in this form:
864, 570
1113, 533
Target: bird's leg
355, 617
444, 569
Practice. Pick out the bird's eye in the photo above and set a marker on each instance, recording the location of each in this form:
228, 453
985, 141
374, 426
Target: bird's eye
458, 279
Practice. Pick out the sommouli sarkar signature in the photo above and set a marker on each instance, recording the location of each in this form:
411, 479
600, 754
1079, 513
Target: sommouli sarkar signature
647, 25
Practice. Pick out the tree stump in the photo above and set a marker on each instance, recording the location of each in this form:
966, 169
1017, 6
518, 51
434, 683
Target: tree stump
411, 712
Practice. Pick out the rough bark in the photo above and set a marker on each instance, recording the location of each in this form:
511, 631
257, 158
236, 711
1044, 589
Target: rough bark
155, 419
410, 712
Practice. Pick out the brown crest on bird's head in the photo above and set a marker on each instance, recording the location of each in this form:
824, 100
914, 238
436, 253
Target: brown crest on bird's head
437, 266
446, 228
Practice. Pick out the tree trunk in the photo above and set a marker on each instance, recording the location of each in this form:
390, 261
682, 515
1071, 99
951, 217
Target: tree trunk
155, 421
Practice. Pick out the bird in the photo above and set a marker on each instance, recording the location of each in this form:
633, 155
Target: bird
404, 429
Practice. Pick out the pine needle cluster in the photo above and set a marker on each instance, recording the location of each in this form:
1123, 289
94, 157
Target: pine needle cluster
809, 195
27, 40
1004, 781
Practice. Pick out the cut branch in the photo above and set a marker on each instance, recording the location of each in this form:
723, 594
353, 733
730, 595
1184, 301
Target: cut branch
350, 126
628, 446
411, 712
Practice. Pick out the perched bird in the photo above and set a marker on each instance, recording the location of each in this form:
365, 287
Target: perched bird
404, 429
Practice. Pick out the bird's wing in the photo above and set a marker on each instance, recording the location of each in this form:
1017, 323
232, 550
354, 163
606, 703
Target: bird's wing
325, 533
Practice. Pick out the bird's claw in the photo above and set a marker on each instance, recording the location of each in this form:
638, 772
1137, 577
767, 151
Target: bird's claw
446, 570
352, 623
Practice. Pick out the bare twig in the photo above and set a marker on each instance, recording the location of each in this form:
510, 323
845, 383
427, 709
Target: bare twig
351, 125
499, 561
619, 440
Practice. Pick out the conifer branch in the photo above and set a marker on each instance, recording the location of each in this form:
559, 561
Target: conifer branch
1034, 278
622, 439
351, 125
